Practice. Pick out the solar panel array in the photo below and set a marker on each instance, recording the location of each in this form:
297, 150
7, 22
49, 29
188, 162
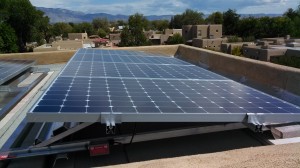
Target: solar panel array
11, 68
131, 86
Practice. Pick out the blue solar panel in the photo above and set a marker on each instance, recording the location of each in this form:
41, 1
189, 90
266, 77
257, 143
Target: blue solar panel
156, 96
112, 56
100, 69
11, 68
90, 90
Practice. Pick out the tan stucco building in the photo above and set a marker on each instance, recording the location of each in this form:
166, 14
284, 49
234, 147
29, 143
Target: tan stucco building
77, 36
203, 36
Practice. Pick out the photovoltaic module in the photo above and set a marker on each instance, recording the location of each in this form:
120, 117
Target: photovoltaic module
131, 86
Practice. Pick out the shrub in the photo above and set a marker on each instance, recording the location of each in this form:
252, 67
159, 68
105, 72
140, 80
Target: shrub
249, 39
175, 39
233, 39
237, 51
292, 61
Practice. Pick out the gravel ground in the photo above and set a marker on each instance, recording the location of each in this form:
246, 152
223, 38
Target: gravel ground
281, 156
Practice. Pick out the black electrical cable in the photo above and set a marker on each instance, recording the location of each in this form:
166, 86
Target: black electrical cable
131, 140
123, 145
133, 133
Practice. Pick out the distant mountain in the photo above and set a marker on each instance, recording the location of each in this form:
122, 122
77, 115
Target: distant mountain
64, 15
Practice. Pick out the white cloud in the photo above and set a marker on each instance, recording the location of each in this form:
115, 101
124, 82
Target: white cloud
269, 6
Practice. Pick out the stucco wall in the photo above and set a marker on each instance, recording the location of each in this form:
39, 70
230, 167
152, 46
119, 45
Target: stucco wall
294, 53
169, 50
41, 58
43, 48
68, 44
265, 73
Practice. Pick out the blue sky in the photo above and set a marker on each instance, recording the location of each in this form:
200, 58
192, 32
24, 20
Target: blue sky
162, 7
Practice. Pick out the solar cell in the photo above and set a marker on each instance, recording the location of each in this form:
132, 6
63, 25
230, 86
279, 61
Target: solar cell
130, 70
11, 68
91, 90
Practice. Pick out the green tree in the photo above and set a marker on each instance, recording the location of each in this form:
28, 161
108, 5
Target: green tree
61, 29
126, 37
84, 27
291, 13
8, 40
41, 29
215, 18
189, 17
294, 15
101, 23
176, 22
264, 27
121, 23
176, 39
134, 34
282, 26
248, 27
4, 14
101, 32
159, 25
296, 25
230, 22
22, 18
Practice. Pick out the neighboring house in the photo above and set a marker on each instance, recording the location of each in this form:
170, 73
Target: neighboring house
115, 39
204, 36
100, 42
270, 48
77, 36
189, 32
160, 39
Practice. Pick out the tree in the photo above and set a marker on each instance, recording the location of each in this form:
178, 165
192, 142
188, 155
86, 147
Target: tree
84, 27
189, 17
101, 32
294, 15
264, 27
248, 27
121, 23
215, 18
8, 40
291, 13
296, 25
134, 34
4, 14
41, 28
159, 25
230, 22
175, 39
176, 22
126, 37
22, 18
101, 23
282, 26
61, 29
